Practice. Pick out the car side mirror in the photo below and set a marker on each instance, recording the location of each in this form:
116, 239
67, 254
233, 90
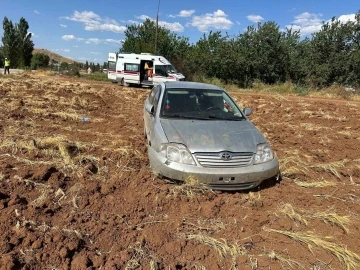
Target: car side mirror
247, 111
149, 108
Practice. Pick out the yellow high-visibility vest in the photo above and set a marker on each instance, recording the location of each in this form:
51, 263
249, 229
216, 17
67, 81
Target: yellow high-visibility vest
7, 63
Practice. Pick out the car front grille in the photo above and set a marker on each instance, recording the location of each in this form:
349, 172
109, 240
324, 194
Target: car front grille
214, 160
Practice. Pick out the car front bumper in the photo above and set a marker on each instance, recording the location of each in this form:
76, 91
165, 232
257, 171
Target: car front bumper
216, 178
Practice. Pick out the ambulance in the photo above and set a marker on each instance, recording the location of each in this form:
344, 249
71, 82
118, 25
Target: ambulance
141, 69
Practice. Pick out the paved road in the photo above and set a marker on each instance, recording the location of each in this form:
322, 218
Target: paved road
12, 70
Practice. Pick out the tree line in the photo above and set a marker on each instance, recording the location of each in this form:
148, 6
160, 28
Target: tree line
95, 67
263, 53
18, 46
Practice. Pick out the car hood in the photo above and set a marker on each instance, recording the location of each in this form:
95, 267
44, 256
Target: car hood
177, 75
213, 135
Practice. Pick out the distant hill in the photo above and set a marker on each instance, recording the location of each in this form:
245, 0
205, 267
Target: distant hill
57, 57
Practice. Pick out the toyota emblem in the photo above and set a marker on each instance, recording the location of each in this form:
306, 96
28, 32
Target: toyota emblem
225, 156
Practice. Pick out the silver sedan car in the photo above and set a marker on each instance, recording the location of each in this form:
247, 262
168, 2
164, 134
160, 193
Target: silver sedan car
197, 130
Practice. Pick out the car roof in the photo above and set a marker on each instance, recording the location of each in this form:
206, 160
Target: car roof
191, 85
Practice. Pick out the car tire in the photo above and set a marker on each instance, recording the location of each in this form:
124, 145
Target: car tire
123, 83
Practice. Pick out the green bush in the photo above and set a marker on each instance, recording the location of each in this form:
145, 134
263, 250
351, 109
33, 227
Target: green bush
39, 60
74, 71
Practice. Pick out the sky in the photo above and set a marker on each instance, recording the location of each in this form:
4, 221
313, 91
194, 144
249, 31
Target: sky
88, 29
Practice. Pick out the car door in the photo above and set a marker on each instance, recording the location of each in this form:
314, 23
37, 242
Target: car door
154, 120
160, 74
148, 118
111, 70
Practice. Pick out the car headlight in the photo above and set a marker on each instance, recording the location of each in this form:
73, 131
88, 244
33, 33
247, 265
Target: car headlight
263, 153
177, 153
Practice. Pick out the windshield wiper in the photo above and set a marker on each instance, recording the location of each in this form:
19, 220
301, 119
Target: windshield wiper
235, 118
184, 116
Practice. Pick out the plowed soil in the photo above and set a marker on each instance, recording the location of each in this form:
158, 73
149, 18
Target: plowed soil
76, 191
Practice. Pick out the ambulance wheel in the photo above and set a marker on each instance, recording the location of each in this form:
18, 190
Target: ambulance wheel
124, 83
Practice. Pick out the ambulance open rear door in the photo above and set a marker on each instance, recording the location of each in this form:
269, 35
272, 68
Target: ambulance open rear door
112, 66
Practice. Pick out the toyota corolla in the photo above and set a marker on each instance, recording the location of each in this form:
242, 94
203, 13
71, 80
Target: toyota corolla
197, 130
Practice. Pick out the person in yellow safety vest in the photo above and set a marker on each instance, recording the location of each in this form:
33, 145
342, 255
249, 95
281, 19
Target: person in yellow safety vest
7, 66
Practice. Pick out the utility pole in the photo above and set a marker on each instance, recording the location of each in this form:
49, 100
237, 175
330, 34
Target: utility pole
157, 26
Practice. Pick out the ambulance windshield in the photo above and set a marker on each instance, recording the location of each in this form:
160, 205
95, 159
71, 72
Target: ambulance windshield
170, 69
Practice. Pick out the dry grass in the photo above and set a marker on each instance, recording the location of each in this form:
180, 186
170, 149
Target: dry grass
331, 167
141, 254
27, 161
333, 91
349, 259
197, 266
292, 165
284, 261
331, 218
327, 216
67, 115
213, 225
190, 188
39, 111
70, 196
288, 210
346, 133
312, 127
254, 199
43, 227
323, 183
44, 192
56, 151
220, 246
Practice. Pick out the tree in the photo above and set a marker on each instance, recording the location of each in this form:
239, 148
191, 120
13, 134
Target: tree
354, 77
206, 57
330, 54
64, 66
40, 60
17, 42
270, 53
86, 65
141, 39
25, 45
53, 64
1, 57
10, 41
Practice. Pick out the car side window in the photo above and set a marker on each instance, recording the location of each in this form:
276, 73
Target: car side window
156, 99
160, 70
152, 95
132, 67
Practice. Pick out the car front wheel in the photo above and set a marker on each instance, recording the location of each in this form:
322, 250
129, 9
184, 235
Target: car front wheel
123, 83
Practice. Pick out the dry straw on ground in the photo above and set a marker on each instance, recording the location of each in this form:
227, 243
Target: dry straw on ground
349, 259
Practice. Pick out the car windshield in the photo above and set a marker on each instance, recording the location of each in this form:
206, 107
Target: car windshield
204, 104
170, 69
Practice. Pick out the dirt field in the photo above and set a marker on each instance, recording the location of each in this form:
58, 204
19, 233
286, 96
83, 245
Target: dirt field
79, 194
